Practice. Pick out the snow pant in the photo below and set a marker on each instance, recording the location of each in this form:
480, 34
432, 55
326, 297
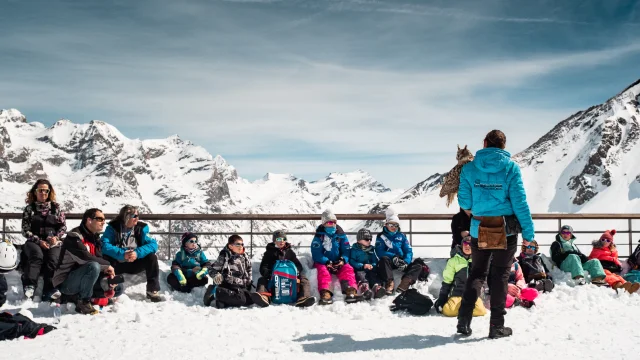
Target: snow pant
528, 294
452, 307
368, 276
192, 282
346, 276
3, 290
413, 270
612, 278
18, 325
304, 287
500, 262
148, 264
233, 297
81, 281
632, 276
37, 261
574, 265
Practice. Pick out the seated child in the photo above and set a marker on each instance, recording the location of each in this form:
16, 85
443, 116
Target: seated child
534, 270
364, 260
189, 268
605, 251
517, 292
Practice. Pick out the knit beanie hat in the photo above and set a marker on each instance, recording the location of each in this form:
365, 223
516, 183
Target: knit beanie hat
608, 235
391, 216
188, 235
328, 215
567, 228
364, 234
279, 234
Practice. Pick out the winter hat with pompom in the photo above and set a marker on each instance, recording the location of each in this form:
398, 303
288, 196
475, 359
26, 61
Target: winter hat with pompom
391, 216
608, 235
328, 215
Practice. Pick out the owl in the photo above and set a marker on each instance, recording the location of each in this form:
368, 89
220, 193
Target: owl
452, 179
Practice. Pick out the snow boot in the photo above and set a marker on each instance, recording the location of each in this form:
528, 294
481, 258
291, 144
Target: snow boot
259, 299
619, 285
540, 285
209, 295
367, 294
378, 291
85, 307
351, 295
598, 281
29, 291
527, 304
548, 285
579, 280
389, 287
154, 296
306, 301
326, 297
405, 283
634, 287
497, 332
464, 326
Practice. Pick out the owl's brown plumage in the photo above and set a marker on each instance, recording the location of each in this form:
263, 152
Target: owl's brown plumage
452, 180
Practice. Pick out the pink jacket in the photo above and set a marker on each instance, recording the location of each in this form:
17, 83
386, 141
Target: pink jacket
516, 280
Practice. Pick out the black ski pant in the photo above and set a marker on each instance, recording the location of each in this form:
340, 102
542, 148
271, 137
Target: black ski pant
148, 264
3, 290
233, 296
368, 276
386, 267
37, 261
192, 282
304, 287
499, 261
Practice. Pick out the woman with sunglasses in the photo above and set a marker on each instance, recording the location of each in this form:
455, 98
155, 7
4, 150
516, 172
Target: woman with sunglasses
570, 259
190, 266
130, 250
605, 251
43, 224
534, 270
395, 252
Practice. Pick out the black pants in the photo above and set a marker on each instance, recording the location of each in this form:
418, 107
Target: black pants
192, 282
38, 261
233, 297
148, 264
369, 276
304, 290
386, 267
500, 263
3, 290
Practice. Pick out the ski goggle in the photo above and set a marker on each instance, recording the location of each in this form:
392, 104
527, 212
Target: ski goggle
605, 240
533, 247
466, 242
43, 191
565, 232
281, 239
393, 225
330, 223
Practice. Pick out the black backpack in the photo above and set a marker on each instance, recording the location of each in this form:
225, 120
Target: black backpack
413, 302
634, 259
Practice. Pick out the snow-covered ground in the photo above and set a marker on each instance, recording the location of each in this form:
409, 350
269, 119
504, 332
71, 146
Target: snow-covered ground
571, 323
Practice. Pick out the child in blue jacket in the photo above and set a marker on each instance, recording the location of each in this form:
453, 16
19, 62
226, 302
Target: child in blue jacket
364, 260
394, 250
190, 267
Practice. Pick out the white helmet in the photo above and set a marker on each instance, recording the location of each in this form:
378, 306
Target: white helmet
8, 257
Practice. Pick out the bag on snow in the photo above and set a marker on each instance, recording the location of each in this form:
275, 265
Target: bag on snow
15, 326
284, 282
634, 259
413, 302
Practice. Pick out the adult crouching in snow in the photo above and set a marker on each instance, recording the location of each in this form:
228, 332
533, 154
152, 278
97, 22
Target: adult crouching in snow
130, 250
570, 259
605, 251
190, 266
280, 249
491, 189
330, 251
395, 252
231, 274
82, 274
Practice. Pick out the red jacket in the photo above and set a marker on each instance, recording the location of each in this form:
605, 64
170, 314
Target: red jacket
605, 254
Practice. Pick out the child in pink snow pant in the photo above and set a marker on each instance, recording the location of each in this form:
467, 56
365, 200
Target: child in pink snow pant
528, 294
345, 274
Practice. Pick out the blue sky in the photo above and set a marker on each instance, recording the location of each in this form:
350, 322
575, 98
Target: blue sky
311, 87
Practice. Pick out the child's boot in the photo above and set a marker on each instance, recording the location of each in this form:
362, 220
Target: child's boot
367, 294
389, 287
326, 297
378, 291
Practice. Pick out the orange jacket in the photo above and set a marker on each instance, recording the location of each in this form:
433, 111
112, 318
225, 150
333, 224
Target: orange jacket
607, 254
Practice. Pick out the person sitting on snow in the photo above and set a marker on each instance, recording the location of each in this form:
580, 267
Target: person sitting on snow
364, 260
533, 268
231, 274
190, 266
569, 258
394, 250
330, 251
280, 249
8, 262
604, 250
517, 291
454, 280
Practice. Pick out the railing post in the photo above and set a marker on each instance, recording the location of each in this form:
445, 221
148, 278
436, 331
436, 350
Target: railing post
411, 232
559, 224
630, 236
4, 229
169, 242
251, 240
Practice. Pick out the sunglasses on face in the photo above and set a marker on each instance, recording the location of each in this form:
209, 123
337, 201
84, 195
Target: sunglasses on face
98, 219
238, 245
367, 240
566, 232
280, 239
533, 247
605, 240
43, 191
330, 223
133, 216
395, 226
466, 243
192, 241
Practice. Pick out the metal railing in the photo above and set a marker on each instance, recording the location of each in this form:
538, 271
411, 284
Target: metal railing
173, 236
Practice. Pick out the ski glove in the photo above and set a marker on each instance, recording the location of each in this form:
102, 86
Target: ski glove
399, 263
217, 279
202, 273
180, 275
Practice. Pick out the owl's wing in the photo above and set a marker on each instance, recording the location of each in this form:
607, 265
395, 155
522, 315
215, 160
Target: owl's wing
451, 182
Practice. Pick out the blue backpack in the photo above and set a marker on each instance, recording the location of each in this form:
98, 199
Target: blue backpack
284, 282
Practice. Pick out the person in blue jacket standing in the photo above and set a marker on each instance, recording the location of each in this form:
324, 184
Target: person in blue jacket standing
395, 252
491, 189
130, 250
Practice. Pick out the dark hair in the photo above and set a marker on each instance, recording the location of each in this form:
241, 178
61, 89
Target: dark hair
89, 214
31, 195
233, 238
127, 209
496, 139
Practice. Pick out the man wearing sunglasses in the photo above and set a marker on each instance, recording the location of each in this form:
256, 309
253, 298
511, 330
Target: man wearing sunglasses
130, 249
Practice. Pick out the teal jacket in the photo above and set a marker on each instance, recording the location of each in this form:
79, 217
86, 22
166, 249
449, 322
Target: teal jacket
491, 185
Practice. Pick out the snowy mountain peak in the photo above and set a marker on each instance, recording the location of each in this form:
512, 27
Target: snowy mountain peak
12, 115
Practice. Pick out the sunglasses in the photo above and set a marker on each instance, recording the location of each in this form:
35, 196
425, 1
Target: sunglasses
43, 191
367, 240
98, 219
395, 226
466, 242
605, 240
134, 216
565, 232
281, 239
238, 245
192, 241
531, 247
330, 223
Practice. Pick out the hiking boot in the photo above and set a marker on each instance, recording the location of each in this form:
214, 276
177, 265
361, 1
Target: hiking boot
29, 291
378, 291
209, 295
326, 298
306, 301
464, 326
389, 287
367, 294
154, 296
634, 287
598, 281
405, 282
54, 295
527, 304
259, 299
496, 332
540, 285
619, 284
580, 280
548, 285
85, 307
350, 295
